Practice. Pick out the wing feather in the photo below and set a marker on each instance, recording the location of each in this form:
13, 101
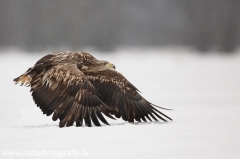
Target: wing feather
65, 91
118, 93
100, 116
94, 118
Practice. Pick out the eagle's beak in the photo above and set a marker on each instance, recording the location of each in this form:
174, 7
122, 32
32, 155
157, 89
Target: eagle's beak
111, 66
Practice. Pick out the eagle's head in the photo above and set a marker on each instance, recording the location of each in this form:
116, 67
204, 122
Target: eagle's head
107, 65
92, 65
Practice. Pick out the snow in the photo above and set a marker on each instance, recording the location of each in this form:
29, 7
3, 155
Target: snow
203, 90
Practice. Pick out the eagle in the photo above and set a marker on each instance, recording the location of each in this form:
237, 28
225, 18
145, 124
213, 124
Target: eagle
76, 87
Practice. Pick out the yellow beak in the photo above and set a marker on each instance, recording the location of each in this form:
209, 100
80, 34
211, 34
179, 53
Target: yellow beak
111, 66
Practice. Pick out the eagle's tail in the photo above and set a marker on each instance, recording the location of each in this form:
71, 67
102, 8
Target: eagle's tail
25, 79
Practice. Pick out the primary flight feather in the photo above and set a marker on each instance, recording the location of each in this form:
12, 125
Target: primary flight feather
76, 87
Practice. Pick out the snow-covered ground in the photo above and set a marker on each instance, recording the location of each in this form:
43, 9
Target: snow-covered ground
203, 90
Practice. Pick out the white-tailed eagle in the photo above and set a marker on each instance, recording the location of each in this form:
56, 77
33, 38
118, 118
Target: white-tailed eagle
77, 87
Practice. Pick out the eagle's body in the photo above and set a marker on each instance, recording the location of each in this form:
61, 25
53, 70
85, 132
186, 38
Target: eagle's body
75, 86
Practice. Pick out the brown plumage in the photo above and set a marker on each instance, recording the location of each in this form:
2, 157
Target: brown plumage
76, 87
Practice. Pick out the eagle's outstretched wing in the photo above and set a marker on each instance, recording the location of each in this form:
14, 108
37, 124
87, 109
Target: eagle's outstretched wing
118, 93
64, 90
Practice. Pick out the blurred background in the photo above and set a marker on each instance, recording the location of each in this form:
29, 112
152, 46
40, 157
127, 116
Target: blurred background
107, 24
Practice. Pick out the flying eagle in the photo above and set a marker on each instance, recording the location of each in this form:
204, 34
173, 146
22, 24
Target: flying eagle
76, 87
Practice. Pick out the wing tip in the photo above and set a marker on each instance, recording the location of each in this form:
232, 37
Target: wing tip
161, 107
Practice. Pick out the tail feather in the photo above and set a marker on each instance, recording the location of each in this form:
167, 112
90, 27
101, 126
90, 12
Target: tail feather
25, 79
